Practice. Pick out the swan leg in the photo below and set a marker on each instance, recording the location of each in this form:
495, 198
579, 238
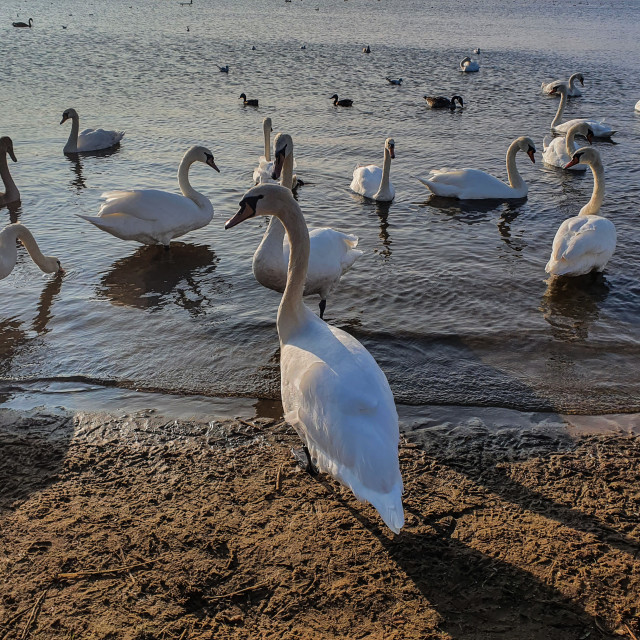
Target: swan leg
303, 457
323, 306
166, 247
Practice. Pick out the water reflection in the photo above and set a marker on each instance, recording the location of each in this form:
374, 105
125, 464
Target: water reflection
466, 211
509, 214
571, 305
382, 210
15, 211
76, 168
154, 276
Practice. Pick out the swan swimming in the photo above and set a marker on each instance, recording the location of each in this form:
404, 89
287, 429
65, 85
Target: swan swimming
440, 102
373, 182
472, 184
9, 253
334, 393
263, 172
23, 24
345, 102
11, 193
572, 89
599, 127
587, 241
560, 150
468, 66
151, 216
88, 139
332, 252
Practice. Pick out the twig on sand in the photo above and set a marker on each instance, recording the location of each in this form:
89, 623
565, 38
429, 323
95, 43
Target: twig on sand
79, 575
183, 635
253, 587
279, 478
633, 635
33, 616
248, 424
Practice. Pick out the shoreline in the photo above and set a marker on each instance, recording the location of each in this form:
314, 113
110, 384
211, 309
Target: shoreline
139, 526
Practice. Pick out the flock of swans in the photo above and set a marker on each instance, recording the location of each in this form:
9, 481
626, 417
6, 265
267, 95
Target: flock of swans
333, 392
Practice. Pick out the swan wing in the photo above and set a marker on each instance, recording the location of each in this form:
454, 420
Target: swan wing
95, 139
262, 173
467, 184
149, 204
366, 180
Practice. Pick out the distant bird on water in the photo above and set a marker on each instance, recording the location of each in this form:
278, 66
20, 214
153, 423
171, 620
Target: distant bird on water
340, 103
396, 82
224, 69
248, 103
440, 102
23, 24
477, 51
467, 65
366, 49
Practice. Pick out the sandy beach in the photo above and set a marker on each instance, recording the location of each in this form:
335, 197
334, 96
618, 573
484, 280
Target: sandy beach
139, 528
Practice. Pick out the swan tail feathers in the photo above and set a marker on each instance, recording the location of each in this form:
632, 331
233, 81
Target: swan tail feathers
426, 183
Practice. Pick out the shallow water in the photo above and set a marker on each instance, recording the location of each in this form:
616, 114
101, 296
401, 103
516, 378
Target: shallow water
450, 298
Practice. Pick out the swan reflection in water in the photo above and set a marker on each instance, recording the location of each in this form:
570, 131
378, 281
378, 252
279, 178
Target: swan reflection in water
510, 212
382, 210
78, 180
465, 211
571, 305
153, 277
15, 211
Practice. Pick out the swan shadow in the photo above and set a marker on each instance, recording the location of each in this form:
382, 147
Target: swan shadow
571, 304
153, 277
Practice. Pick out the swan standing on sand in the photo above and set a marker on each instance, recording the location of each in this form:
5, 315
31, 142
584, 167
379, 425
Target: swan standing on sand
440, 102
332, 252
560, 150
599, 127
372, 181
334, 393
9, 253
11, 193
586, 241
23, 24
572, 90
151, 216
472, 184
467, 65
89, 139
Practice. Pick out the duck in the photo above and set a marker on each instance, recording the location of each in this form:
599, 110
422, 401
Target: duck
332, 252
9, 254
151, 216
599, 127
366, 49
248, 103
559, 151
572, 89
340, 103
89, 139
477, 51
11, 193
262, 173
23, 24
468, 66
397, 82
440, 102
372, 181
224, 69
333, 392
472, 184
587, 241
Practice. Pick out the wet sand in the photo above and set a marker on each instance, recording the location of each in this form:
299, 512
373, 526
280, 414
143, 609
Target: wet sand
138, 527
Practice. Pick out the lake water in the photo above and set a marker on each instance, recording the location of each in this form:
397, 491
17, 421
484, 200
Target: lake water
450, 298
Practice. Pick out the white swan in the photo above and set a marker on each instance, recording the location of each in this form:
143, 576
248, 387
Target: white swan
11, 193
599, 127
638, 106
333, 392
572, 90
263, 173
586, 241
88, 139
560, 150
472, 184
151, 216
467, 65
332, 252
372, 181
9, 253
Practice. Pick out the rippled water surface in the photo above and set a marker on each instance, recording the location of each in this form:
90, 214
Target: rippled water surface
450, 298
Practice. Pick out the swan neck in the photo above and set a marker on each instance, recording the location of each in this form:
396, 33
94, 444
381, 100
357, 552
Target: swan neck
26, 237
11, 191
515, 179
287, 172
72, 142
267, 144
292, 311
185, 186
572, 81
592, 207
272, 239
386, 170
560, 111
570, 142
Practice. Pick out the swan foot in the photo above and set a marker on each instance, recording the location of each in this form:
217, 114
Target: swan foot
323, 306
303, 457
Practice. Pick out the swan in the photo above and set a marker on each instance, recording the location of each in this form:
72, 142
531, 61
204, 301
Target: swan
397, 82
440, 102
89, 139
638, 106
332, 252
11, 193
560, 150
472, 184
340, 103
570, 84
248, 103
599, 127
9, 253
151, 216
586, 241
372, 181
468, 65
262, 173
23, 24
334, 393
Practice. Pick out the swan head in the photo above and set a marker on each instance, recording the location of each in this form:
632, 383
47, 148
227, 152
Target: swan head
68, 114
266, 125
201, 154
243, 96
527, 145
559, 89
586, 155
6, 146
458, 98
465, 60
334, 97
282, 148
51, 265
262, 200
390, 145
584, 130
580, 77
